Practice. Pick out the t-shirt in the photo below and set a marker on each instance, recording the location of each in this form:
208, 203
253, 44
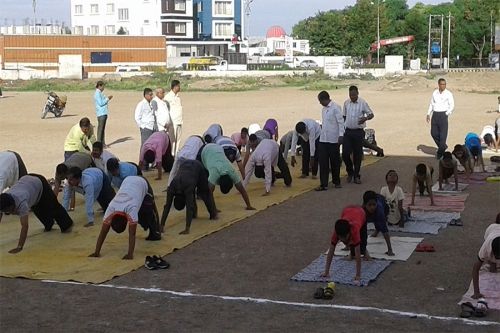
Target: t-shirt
472, 141
487, 130
356, 217
78, 159
485, 253
215, 161
9, 170
128, 200
26, 194
392, 199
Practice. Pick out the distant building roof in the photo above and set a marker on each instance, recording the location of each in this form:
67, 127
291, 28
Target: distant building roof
275, 32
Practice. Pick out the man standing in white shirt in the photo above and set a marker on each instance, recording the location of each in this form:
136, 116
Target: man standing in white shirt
309, 131
356, 113
163, 120
332, 132
174, 104
145, 116
440, 108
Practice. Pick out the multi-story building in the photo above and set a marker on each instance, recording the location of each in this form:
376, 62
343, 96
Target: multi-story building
183, 20
191, 27
112, 17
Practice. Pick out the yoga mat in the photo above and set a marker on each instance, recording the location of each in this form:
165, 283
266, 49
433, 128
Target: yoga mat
402, 247
443, 203
489, 285
422, 222
476, 177
64, 257
449, 188
341, 271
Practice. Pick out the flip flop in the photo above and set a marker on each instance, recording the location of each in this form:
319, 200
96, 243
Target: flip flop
456, 222
467, 310
420, 248
320, 188
319, 293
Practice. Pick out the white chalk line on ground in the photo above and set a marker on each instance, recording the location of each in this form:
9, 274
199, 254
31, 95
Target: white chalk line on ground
295, 304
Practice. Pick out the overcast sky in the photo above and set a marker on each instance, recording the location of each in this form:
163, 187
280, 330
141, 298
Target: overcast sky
265, 13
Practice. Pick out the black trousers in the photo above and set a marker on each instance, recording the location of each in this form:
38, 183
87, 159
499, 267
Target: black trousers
48, 210
306, 157
101, 127
329, 159
148, 219
363, 233
353, 144
107, 192
284, 170
20, 165
439, 131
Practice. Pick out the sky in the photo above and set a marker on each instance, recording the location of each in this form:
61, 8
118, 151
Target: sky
265, 13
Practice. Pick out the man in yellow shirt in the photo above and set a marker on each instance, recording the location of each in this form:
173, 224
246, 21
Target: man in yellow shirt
80, 138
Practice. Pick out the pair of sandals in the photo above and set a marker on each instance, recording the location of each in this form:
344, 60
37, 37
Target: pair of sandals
456, 222
468, 310
325, 293
423, 247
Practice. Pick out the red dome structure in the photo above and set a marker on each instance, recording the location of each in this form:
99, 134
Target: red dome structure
275, 32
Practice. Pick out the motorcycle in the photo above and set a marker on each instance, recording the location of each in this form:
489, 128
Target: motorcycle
55, 104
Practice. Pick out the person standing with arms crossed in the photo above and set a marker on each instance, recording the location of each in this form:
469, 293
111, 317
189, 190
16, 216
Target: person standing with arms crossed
101, 110
175, 106
356, 113
440, 108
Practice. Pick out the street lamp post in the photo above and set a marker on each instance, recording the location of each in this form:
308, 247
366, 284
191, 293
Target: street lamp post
378, 28
378, 31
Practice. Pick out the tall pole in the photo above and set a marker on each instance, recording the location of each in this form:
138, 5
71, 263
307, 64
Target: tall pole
441, 43
429, 46
378, 31
491, 32
449, 38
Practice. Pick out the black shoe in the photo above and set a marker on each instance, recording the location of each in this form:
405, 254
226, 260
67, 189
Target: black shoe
357, 180
161, 263
150, 263
349, 179
321, 188
338, 185
380, 153
153, 236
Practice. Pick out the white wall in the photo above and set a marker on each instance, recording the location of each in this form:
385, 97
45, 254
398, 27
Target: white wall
139, 11
70, 66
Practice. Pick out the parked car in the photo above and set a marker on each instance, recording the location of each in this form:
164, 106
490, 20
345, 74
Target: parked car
128, 69
308, 64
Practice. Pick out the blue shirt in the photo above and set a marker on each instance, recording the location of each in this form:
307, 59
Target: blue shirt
472, 140
101, 103
90, 186
125, 169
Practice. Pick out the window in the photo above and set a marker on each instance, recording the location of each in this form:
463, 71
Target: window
110, 30
78, 9
200, 7
223, 29
223, 8
180, 28
94, 30
180, 5
200, 28
78, 30
122, 14
183, 51
110, 8
94, 9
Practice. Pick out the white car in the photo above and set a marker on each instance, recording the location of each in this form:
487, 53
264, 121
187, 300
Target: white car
127, 69
308, 64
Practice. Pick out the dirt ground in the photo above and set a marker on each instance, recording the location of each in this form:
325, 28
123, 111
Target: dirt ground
256, 257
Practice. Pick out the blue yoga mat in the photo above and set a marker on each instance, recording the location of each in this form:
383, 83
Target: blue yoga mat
342, 271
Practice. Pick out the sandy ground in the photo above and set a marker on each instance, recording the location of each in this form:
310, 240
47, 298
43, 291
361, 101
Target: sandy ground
256, 257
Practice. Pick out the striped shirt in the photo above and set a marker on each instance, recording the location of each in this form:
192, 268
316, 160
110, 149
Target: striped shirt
227, 144
355, 110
